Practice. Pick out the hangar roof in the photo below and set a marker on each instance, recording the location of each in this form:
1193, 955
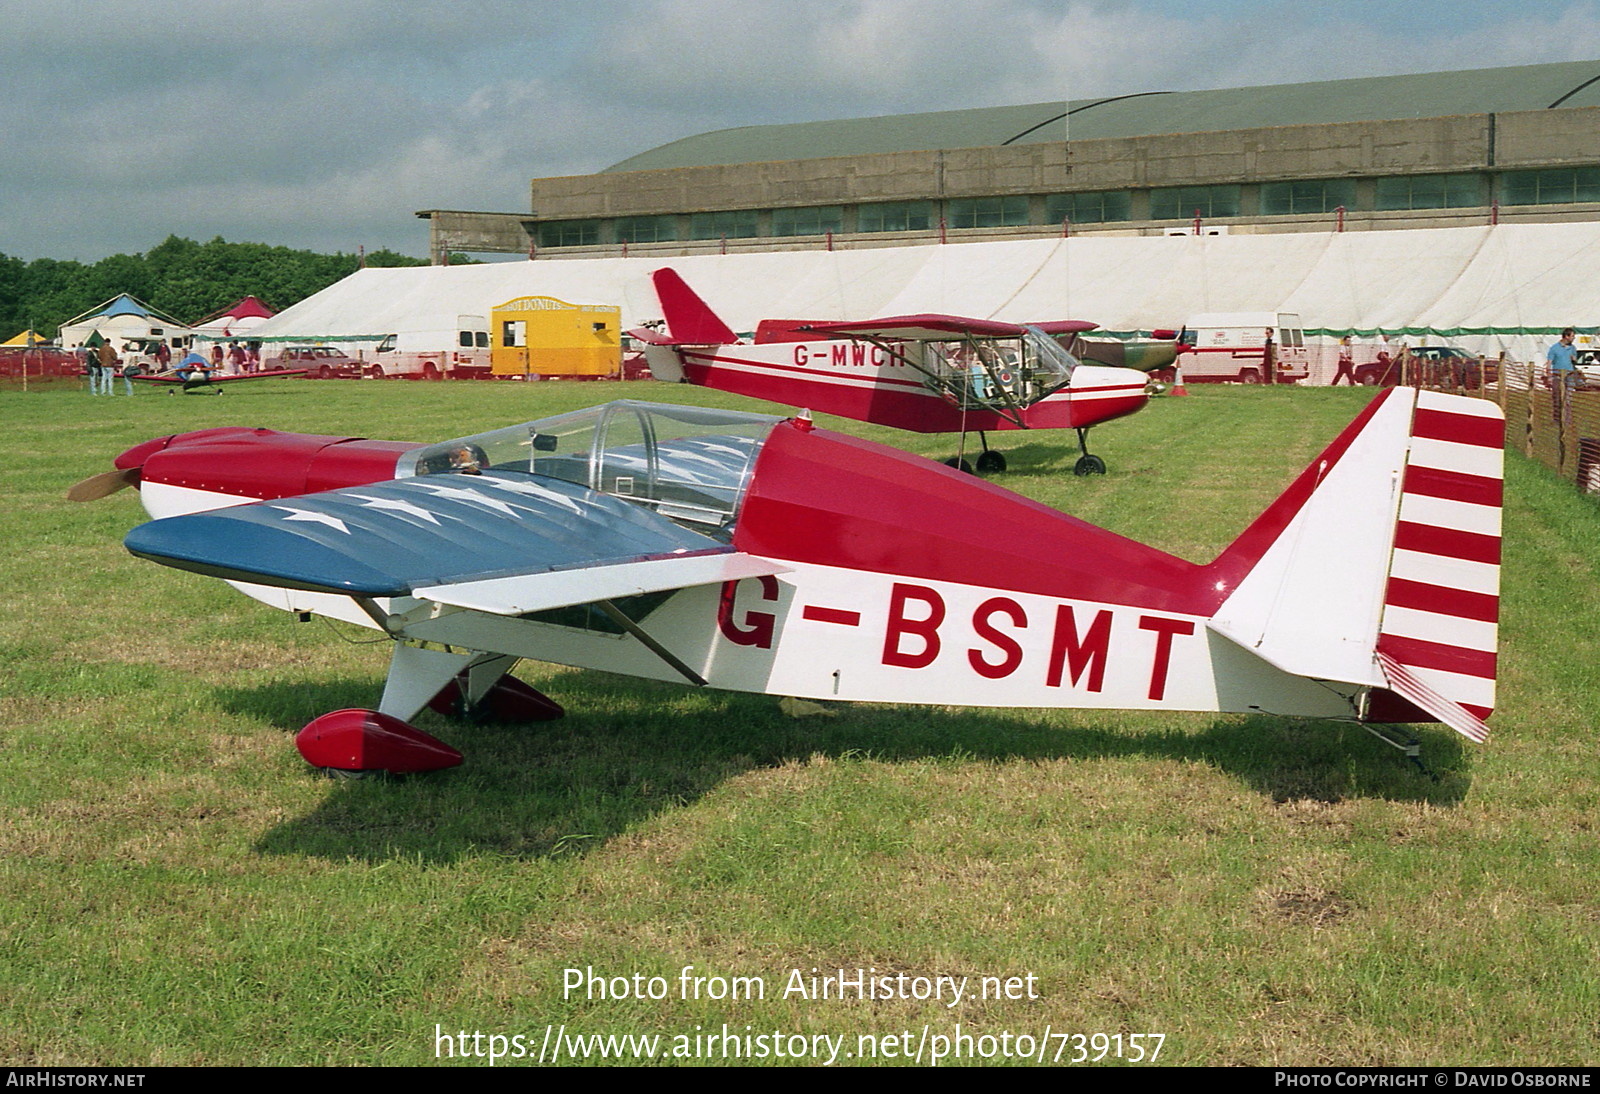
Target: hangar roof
1373, 98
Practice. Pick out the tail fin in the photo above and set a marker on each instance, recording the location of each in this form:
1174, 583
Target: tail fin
1380, 566
689, 320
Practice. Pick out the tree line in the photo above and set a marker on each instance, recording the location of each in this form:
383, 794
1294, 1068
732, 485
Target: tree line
186, 280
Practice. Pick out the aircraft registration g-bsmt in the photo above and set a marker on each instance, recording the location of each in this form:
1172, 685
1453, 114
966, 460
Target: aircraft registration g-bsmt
761, 554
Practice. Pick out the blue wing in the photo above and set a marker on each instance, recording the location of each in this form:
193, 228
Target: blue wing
434, 532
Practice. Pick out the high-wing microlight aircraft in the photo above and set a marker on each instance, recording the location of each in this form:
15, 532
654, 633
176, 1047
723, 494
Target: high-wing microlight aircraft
760, 554
195, 373
921, 373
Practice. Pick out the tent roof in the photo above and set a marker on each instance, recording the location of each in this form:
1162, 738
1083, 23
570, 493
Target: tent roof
247, 308
122, 304
1503, 280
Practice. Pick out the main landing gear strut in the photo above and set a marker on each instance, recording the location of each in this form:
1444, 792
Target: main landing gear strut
356, 741
1087, 464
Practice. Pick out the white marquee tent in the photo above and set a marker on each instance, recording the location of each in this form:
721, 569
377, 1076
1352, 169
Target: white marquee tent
1506, 287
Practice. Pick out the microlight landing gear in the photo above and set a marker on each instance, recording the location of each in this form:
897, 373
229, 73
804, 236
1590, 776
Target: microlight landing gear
989, 462
1088, 464
356, 741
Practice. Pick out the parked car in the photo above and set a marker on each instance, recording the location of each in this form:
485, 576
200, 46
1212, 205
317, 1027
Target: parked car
1384, 372
320, 362
1447, 366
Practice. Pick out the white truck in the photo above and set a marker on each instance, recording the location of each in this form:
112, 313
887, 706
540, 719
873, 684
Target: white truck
459, 354
1245, 347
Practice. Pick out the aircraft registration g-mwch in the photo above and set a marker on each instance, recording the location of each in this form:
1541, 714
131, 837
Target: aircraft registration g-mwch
763, 554
920, 373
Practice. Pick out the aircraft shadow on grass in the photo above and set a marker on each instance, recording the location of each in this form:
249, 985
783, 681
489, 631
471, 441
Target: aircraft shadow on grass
632, 748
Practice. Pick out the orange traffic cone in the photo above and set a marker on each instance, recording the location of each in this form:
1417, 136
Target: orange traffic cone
1177, 382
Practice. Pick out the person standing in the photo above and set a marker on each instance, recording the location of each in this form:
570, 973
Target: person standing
1561, 359
108, 368
1347, 363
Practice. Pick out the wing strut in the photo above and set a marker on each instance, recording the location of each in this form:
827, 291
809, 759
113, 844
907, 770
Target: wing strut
649, 643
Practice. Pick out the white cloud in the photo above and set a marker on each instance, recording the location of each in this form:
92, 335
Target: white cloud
320, 123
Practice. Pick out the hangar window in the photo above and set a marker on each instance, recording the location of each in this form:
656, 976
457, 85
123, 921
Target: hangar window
569, 233
1558, 185
1182, 202
815, 221
1091, 207
994, 212
1307, 196
732, 223
1430, 192
895, 216
662, 229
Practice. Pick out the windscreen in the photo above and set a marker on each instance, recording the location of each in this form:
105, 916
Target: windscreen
996, 373
688, 463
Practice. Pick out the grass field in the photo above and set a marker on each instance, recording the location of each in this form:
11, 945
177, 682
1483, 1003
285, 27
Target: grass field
177, 887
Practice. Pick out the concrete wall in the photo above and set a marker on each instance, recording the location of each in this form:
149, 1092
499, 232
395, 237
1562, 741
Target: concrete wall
1360, 150
1463, 143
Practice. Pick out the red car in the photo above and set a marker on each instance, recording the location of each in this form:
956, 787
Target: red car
320, 362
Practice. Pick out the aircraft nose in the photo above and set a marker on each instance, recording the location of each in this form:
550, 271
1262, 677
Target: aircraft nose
134, 457
126, 474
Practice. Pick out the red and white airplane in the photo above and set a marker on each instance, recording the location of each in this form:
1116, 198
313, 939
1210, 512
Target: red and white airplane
760, 554
920, 373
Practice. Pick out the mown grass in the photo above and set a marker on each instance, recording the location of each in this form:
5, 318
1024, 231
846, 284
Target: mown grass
176, 887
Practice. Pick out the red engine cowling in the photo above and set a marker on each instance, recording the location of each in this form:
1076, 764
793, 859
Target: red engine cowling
262, 463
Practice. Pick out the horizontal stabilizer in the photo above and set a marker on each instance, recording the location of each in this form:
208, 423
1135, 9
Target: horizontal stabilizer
647, 336
1405, 683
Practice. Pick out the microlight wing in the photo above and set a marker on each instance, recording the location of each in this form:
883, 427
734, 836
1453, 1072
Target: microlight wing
498, 542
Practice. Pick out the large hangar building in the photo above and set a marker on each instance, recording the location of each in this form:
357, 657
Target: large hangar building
1417, 151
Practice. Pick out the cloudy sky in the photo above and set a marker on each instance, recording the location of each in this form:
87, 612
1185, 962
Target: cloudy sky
327, 123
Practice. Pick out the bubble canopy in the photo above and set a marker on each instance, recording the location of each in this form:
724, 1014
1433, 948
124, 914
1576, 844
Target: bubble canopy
688, 463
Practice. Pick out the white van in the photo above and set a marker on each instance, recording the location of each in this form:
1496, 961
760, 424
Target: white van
1234, 346
459, 354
